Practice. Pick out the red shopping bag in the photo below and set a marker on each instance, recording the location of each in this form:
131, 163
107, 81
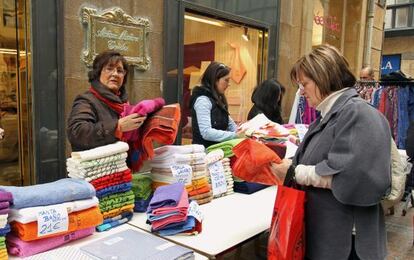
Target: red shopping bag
287, 231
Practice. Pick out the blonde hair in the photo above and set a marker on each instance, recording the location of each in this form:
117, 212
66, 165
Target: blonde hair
327, 67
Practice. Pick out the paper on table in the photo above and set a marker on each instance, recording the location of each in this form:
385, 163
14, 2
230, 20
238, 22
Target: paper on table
290, 149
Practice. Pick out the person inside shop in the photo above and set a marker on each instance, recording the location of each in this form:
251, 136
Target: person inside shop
210, 118
343, 163
366, 74
267, 99
95, 117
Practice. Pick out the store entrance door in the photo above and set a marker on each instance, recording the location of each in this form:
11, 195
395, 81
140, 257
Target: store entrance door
14, 93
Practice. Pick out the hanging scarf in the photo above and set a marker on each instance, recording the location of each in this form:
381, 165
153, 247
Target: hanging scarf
117, 107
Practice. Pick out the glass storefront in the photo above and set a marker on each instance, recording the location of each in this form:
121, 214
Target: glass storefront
238, 46
328, 22
15, 119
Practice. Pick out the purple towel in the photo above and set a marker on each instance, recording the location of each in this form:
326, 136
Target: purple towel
6, 196
16, 246
167, 195
4, 205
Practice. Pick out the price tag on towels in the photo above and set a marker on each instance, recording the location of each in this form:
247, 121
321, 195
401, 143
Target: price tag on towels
218, 179
51, 220
183, 173
194, 210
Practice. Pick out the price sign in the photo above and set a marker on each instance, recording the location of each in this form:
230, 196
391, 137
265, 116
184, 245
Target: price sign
218, 180
183, 173
194, 210
51, 220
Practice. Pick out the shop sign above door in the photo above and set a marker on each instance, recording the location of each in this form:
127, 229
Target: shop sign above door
113, 29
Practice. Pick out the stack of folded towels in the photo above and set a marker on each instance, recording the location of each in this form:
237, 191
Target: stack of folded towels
6, 200
193, 155
106, 169
217, 157
168, 212
76, 197
142, 188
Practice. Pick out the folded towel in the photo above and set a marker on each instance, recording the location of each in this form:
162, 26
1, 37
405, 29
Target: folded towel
168, 195
101, 151
21, 248
27, 215
50, 193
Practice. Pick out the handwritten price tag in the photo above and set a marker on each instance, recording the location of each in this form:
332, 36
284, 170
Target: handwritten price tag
194, 210
183, 173
51, 220
218, 180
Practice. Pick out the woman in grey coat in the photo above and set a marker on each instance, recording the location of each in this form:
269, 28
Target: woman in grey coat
343, 163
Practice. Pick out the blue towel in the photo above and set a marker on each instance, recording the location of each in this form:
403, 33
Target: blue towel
57, 192
114, 223
142, 204
180, 228
123, 187
5, 230
248, 187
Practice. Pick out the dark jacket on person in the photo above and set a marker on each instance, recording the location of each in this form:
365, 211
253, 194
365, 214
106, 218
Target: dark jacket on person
409, 148
219, 116
352, 144
92, 122
275, 116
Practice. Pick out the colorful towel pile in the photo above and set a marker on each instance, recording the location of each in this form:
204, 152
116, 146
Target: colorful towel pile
219, 171
6, 199
168, 212
106, 169
34, 207
142, 188
191, 156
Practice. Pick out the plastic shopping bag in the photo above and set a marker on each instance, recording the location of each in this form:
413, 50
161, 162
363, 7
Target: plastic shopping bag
287, 231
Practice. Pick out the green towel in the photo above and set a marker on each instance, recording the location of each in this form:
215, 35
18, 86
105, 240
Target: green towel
116, 198
116, 205
141, 186
226, 146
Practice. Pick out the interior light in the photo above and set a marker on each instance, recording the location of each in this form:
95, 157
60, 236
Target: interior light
245, 35
203, 20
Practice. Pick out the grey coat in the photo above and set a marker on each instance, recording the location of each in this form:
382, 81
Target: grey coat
351, 143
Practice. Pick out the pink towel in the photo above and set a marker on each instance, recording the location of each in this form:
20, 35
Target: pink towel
143, 108
16, 246
181, 209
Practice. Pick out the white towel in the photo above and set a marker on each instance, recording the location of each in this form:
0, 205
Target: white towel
101, 151
168, 150
71, 162
27, 215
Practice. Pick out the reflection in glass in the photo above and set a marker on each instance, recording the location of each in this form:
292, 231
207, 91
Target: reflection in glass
12, 63
388, 19
401, 17
238, 46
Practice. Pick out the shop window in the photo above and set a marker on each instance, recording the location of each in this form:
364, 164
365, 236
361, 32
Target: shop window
13, 92
399, 15
241, 47
327, 22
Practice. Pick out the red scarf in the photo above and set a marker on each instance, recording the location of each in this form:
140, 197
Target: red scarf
117, 107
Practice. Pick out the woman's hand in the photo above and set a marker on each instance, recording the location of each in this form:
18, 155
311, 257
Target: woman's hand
280, 170
130, 122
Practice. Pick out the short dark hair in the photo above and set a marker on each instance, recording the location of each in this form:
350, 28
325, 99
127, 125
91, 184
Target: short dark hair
267, 96
214, 72
103, 59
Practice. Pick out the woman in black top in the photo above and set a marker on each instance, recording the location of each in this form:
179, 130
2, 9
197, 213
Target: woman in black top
267, 99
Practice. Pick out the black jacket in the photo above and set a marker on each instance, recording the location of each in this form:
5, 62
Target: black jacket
219, 116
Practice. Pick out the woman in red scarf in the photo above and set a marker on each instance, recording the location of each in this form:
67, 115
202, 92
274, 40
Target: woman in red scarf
95, 117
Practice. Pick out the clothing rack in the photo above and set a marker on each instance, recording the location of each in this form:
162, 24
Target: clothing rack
387, 83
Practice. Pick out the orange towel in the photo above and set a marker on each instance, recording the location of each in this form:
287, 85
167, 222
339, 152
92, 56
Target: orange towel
156, 184
253, 162
77, 220
199, 191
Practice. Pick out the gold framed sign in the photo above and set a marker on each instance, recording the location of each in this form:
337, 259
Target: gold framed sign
113, 29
